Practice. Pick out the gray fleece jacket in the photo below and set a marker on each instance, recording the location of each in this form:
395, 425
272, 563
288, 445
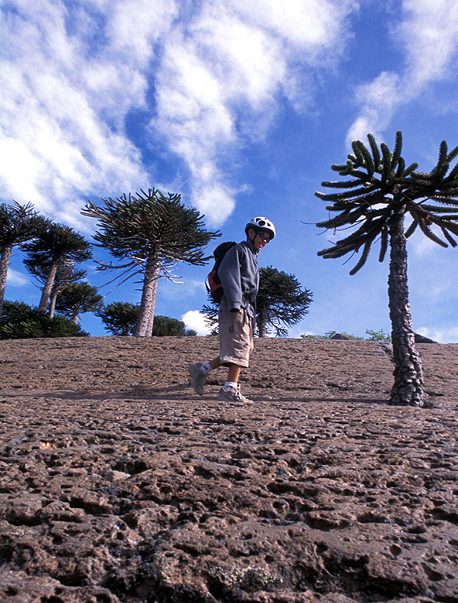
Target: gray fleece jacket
239, 275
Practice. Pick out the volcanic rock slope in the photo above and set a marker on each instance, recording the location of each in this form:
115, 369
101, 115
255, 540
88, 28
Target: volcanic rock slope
119, 483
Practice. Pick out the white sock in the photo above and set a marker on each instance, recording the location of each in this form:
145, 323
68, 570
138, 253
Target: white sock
229, 385
205, 368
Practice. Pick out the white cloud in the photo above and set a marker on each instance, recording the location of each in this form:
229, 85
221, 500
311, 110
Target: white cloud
17, 279
64, 103
380, 98
195, 321
210, 75
427, 33
220, 77
441, 335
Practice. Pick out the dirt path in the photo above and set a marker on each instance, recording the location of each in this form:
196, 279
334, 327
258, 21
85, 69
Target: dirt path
118, 483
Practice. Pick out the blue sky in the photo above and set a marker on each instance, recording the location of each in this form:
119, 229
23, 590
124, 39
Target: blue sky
242, 108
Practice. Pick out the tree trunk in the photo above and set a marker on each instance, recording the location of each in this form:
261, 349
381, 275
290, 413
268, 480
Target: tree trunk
4, 263
45, 296
262, 322
52, 305
408, 379
76, 314
144, 326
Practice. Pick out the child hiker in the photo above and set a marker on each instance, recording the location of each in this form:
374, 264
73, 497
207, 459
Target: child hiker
239, 275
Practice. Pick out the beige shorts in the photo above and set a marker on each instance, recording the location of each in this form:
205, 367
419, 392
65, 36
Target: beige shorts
235, 336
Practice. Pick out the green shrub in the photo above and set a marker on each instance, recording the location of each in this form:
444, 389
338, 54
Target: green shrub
21, 321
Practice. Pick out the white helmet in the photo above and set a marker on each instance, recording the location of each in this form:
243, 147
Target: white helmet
261, 223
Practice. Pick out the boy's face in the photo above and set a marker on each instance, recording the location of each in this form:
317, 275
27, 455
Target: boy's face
261, 238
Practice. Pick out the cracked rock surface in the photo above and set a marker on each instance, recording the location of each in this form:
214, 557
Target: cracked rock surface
119, 484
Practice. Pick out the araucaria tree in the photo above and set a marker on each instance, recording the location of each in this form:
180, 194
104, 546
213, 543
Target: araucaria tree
77, 298
40, 268
281, 301
153, 233
119, 318
53, 248
376, 199
18, 223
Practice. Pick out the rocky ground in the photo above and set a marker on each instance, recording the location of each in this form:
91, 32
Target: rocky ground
118, 483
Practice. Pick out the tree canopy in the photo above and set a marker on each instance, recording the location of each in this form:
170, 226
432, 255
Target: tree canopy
120, 319
77, 298
54, 247
380, 187
18, 224
21, 321
151, 233
281, 301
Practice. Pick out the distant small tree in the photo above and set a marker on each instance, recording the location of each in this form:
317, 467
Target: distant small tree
55, 246
373, 206
372, 335
18, 224
119, 318
169, 327
281, 301
332, 334
65, 275
153, 233
78, 298
378, 335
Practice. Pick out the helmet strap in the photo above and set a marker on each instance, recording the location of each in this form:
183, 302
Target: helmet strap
255, 235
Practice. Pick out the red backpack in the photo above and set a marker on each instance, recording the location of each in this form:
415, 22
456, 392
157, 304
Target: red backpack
213, 284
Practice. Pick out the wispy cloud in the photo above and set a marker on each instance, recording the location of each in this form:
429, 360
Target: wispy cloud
209, 75
220, 78
426, 32
16, 279
69, 75
449, 335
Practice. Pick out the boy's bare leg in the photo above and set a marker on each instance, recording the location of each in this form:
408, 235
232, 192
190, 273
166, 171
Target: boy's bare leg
215, 363
233, 373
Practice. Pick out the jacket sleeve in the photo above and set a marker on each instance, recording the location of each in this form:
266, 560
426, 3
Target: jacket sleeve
230, 276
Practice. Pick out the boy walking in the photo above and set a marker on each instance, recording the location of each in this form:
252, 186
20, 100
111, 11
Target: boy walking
239, 275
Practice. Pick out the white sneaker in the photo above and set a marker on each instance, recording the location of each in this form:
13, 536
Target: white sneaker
233, 395
198, 378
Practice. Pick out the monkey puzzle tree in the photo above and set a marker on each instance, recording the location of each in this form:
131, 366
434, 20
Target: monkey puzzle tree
119, 318
65, 274
77, 298
380, 193
18, 223
55, 246
153, 233
281, 299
